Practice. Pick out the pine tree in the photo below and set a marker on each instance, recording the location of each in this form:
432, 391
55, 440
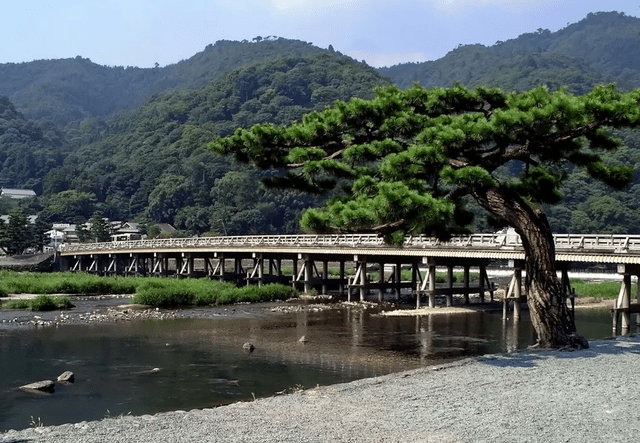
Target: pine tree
18, 233
100, 230
406, 161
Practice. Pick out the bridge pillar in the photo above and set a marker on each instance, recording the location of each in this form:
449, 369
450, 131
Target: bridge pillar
363, 280
415, 276
113, 267
359, 280
449, 295
397, 279
432, 284
325, 276
257, 273
623, 305
238, 272
294, 272
466, 284
218, 270
342, 275
514, 294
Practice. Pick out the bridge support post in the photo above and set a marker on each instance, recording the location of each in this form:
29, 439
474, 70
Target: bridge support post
623, 304
238, 272
449, 295
363, 279
359, 280
325, 276
514, 293
483, 278
432, 285
381, 284
466, 284
218, 270
308, 273
398, 279
294, 273
342, 275
568, 292
415, 273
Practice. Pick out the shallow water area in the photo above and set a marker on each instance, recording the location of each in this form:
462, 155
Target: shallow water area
149, 366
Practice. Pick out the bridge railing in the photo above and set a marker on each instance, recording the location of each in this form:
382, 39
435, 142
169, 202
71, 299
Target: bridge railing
510, 241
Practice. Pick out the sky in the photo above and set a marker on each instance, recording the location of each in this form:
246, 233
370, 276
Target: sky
381, 32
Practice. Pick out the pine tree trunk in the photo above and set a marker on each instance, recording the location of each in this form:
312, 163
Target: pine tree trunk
549, 313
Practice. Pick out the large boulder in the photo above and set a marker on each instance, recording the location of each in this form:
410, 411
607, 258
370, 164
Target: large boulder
41, 386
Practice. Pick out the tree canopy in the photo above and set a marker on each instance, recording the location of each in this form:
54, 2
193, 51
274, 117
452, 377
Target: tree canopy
407, 161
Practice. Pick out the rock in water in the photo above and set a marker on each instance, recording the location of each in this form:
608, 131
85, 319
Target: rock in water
42, 386
248, 347
303, 339
67, 376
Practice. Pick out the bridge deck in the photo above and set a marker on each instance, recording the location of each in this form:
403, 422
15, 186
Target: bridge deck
599, 248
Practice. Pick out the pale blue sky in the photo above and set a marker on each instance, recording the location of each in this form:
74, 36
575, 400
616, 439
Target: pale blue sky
382, 32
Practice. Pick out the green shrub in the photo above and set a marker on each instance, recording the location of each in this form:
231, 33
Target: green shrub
163, 294
17, 304
12, 282
43, 303
202, 292
40, 303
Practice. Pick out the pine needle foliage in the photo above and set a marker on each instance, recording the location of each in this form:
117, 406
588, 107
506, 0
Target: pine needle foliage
403, 161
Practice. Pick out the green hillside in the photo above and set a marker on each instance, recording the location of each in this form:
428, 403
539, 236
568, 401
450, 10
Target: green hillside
72, 89
153, 161
602, 48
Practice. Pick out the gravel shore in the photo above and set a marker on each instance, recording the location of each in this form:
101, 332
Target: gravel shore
529, 396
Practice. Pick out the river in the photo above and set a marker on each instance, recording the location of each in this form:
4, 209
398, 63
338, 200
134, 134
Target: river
149, 366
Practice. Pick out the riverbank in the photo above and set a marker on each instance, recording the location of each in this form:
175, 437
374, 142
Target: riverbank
580, 396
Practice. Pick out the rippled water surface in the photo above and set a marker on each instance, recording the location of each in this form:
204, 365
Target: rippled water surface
148, 366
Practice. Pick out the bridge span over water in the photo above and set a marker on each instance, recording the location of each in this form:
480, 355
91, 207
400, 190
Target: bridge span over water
344, 262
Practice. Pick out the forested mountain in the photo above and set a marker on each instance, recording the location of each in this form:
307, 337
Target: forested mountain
602, 48
131, 142
28, 149
72, 89
153, 161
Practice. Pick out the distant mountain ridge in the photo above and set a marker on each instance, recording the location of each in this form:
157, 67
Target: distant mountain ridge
72, 89
601, 48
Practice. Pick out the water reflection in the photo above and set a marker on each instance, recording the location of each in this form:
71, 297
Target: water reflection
150, 366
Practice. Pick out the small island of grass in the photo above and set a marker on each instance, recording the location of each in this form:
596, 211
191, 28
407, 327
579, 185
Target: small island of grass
153, 291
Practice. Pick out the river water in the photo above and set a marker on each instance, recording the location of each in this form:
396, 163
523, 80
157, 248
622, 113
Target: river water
150, 366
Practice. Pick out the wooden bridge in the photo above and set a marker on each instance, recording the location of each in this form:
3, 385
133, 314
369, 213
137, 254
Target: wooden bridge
259, 259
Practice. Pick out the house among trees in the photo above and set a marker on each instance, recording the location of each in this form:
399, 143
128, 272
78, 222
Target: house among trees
17, 193
126, 231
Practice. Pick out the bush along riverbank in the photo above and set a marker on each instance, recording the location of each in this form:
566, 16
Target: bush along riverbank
153, 291
40, 303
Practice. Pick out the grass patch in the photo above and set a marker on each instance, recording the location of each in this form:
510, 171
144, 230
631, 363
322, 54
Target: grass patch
154, 291
201, 292
40, 303
73, 283
605, 289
